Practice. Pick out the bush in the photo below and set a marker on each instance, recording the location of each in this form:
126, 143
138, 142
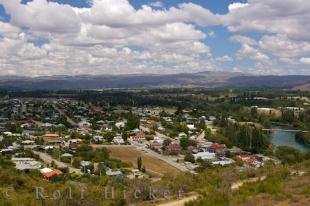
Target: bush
189, 158
288, 155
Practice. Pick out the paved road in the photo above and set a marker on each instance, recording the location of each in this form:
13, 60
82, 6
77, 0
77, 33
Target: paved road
112, 145
202, 135
158, 134
48, 159
74, 124
169, 160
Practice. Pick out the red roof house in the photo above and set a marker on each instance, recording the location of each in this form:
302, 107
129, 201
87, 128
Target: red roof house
52, 173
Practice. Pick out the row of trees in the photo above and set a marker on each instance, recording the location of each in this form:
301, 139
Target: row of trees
247, 137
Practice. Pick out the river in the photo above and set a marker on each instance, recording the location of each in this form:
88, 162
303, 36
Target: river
285, 138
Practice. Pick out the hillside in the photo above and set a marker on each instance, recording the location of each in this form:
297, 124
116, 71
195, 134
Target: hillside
201, 79
304, 87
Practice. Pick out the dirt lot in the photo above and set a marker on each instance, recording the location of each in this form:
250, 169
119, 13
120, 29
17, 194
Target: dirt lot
130, 154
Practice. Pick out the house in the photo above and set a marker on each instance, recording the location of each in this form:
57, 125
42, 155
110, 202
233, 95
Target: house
85, 163
8, 133
212, 118
250, 160
118, 140
75, 141
110, 172
120, 124
295, 109
48, 174
51, 139
173, 148
25, 163
205, 146
29, 132
161, 128
49, 148
167, 119
181, 135
137, 137
151, 123
263, 110
10, 149
107, 127
204, 156
73, 146
136, 174
231, 120
28, 142
84, 124
45, 170
7, 151
218, 148
235, 150
223, 161
47, 125
191, 127
155, 145
98, 138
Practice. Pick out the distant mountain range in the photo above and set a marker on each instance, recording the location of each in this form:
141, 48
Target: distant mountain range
201, 79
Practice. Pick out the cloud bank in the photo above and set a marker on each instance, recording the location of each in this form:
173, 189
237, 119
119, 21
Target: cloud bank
113, 37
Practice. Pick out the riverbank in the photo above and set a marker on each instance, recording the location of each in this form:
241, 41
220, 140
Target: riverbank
282, 137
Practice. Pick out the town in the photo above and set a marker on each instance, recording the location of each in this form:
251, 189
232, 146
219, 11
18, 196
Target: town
143, 137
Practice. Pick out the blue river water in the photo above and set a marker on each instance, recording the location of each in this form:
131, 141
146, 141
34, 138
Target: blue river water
285, 138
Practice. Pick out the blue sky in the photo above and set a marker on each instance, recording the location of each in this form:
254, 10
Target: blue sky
41, 37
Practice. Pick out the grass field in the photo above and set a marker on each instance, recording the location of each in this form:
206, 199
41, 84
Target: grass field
152, 164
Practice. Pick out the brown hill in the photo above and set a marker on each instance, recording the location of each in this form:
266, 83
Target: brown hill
303, 87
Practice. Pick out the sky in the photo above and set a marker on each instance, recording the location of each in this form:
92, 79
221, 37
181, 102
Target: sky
76, 37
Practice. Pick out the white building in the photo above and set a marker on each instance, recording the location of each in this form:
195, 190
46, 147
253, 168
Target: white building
118, 140
120, 125
191, 127
223, 162
98, 138
204, 156
26, 163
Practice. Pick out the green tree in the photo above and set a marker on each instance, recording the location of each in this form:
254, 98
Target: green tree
288, 116
245, 137
139, 163
189, 158
133, 121
184, 143
259, 141
202, 125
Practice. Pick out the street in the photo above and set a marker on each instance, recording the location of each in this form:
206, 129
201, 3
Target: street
48, 159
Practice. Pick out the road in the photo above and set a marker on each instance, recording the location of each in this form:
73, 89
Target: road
169, 160
179, 202
107, 146
149, 152
238, 184
74, 124
48, 159
164, 158
202, 135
